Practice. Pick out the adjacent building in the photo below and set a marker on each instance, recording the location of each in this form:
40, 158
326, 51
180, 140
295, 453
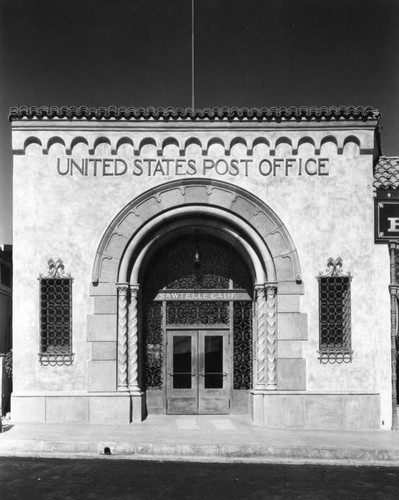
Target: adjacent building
5, 326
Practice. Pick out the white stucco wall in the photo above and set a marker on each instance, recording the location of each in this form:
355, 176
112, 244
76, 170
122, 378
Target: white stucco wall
65, 216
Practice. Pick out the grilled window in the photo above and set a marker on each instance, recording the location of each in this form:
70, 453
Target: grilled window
56, 316
335, 314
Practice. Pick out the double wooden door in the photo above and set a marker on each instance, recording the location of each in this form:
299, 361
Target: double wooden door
198, 375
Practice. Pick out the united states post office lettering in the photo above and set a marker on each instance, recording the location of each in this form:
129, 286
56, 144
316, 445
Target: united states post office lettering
159, 167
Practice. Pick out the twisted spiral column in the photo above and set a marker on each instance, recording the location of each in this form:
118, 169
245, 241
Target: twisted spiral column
271, 314
260, 338
133, 340
122, 335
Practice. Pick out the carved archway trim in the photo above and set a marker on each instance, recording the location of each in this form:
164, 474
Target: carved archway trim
226, 202
172, 219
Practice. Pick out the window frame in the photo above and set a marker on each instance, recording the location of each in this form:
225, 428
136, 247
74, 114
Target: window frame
333, 282
62, 354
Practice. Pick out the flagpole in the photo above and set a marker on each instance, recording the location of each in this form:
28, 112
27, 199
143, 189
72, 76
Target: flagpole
192, 55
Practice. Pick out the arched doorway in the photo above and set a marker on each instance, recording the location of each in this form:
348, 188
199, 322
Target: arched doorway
225, 216
197, 336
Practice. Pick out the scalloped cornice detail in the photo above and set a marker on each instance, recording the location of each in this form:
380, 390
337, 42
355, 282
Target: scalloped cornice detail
204, 144
225, 113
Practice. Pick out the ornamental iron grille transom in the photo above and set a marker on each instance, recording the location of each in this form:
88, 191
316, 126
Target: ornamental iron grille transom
191, 265
203, 313
335, 314
56, 316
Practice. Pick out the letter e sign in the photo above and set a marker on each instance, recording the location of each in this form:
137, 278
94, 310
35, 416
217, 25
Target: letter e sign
386, 220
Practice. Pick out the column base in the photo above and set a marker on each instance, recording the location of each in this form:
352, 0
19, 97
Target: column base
257, 406
138, 406
123, 389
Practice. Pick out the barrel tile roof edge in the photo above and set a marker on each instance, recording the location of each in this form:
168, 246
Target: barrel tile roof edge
224, 113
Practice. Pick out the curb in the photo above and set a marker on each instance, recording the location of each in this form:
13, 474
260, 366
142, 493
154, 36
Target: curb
184, 451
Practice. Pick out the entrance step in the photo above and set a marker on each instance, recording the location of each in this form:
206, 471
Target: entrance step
205, 422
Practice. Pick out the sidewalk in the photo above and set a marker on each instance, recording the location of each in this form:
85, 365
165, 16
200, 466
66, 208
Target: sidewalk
216, 438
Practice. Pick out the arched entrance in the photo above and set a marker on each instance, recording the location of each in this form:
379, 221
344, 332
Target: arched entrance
165, 227
197, 294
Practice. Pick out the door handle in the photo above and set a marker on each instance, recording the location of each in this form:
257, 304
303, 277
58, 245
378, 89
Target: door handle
224, 374
173, 374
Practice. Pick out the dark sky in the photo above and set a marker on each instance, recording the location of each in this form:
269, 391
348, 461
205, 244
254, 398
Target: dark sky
247, 53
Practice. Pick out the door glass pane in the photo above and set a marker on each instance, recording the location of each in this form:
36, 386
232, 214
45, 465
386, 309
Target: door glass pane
213, 362
182, 362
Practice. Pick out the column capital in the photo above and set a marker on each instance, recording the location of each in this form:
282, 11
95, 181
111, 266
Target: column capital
122, 287
271, 285
134, 288
259, 289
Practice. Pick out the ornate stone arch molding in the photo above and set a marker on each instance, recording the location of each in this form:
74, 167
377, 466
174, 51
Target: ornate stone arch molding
213, 198
215, 220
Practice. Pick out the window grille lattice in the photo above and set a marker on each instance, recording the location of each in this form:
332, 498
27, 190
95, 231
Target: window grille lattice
219, 268
56, 321
212, 273
154, 346
197, 313
242, 345
335, 319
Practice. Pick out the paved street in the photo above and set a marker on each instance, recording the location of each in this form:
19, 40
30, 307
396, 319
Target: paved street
107, 478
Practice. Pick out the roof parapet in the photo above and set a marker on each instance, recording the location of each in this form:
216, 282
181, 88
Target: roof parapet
302, 113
